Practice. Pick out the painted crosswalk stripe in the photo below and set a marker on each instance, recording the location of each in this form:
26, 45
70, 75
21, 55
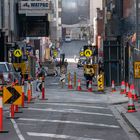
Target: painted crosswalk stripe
59, 136
70, 111
74, 105
69, 122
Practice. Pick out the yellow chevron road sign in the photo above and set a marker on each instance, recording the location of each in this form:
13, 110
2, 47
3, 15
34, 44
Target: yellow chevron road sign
12, 95
100, 79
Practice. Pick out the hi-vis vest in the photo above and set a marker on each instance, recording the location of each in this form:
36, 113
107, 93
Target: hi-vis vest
89, 69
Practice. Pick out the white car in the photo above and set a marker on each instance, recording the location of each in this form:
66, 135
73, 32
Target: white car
67, 38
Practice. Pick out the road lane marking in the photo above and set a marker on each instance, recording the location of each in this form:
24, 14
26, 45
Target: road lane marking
74, 105
59, 136
69, 122
17, 130
70, 111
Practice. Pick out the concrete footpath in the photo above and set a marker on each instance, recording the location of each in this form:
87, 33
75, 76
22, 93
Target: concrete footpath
121, 104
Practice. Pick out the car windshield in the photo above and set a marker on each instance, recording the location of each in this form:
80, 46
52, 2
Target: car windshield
11, 68
3, 68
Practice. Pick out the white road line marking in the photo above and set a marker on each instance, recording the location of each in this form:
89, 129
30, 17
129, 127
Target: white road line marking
17, 130
74, 105
69, 122
71, 111
59, 136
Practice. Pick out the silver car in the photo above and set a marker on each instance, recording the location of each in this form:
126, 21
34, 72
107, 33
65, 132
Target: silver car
16, 74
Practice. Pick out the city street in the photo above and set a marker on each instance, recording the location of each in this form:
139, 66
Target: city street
68, 114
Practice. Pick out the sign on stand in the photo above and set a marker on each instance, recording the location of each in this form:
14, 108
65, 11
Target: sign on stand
12, 95
100, 80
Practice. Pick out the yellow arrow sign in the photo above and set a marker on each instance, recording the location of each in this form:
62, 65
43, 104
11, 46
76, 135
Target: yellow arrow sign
100, 79
12, 95
88, 52
81, 53
17, 53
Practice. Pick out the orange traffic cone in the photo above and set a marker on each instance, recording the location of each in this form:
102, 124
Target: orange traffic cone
134, 96
123, 90
29, 92
79, 85
131, 106
113, 86
70, 84
90, 86
127, 89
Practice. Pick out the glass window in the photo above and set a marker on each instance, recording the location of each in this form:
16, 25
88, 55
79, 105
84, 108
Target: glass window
3, 68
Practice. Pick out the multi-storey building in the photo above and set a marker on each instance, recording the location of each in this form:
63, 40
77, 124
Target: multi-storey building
122, 24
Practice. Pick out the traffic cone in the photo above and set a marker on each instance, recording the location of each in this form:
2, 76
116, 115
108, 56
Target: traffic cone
29, 92
90, 86
123, 90
16, 82
79, 85
131, 106
70, 84
1, 117
113, 86
134, 96
127, 89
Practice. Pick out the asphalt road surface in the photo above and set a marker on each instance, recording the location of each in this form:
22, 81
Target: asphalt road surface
67, 115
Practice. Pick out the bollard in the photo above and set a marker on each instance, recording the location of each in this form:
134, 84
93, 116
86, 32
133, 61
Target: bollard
22, 96
12, 113
29, 92
79, 85
1, 117
68, 77
16, 109
74, 79
43, 89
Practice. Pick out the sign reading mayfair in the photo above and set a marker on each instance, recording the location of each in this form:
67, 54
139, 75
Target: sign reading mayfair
34, 5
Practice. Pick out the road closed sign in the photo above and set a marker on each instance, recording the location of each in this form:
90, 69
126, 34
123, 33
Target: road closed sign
137, 69
100, 80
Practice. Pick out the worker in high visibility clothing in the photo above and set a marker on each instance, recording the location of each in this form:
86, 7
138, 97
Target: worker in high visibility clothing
88, 73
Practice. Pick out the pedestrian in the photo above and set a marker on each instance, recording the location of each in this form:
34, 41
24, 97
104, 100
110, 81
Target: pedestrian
62, 79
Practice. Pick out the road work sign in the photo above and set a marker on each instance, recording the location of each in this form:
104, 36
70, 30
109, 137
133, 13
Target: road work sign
137, 69
100, 79
17, 53
88, 52
12, 95
81, 53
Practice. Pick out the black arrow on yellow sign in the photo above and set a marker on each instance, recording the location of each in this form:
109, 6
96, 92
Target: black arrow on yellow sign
100, 79
14, 95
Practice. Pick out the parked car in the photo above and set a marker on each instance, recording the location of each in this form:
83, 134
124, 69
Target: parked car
82, 60
6, 76
16, 74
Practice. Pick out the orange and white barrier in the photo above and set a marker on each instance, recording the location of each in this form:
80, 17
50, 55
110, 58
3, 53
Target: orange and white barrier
113, 86
1, 115
79, 85
90, 86
70, 84
123, 90
131, 106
